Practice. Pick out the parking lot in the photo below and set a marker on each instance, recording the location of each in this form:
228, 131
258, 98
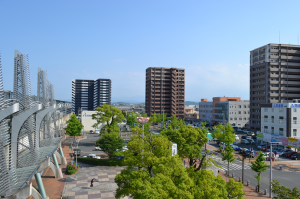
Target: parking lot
254, 146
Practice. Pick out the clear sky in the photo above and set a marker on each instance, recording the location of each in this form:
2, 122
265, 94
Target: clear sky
119, 39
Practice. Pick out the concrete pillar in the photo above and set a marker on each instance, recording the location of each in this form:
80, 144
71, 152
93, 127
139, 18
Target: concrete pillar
40, 185
59, 172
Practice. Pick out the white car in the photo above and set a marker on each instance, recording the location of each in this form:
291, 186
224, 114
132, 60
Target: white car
237, 137
234, 146
97, 148
251, 141
92, 156
97, 131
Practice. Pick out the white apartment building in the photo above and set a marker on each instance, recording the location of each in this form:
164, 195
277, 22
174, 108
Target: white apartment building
206, 111
282, 119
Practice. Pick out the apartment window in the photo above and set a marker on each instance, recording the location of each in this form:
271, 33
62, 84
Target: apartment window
245, 118
231, 118
235, 118
266, 129
280, 109
280, 120
240, 106
266, 110
272, 129
245, 112
294, 120
272, 119
245, 106
294, 110
294, 132
265, 118
240, 118
280, 131
240, 112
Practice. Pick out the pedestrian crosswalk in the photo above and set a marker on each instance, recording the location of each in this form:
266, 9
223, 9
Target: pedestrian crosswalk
237, 165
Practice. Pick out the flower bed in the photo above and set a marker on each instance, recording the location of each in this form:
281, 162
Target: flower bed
72, 168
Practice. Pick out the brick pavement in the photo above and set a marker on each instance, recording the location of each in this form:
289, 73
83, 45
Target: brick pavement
78, 186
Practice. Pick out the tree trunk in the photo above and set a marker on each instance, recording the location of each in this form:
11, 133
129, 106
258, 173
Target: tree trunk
228, 168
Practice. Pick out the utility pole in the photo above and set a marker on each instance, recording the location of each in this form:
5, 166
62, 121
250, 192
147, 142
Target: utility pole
243, 165
223, 127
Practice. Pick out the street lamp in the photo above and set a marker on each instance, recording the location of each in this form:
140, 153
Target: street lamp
271, 165
143, 120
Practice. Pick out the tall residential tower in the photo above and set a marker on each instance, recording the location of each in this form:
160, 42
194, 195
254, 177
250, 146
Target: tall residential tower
89, 94
274, 77
165, 91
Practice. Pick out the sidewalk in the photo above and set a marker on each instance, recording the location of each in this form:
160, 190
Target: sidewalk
250, 191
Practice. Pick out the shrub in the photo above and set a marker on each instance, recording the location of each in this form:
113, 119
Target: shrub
101, 162
72, 168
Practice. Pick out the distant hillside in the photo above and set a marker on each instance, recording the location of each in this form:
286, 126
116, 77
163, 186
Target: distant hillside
187, 103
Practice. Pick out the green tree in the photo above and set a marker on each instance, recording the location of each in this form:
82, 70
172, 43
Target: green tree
282, 192
153, 173
131, 121
175, 123
109, 115
110, 143
189, 141
259, 166
228, 155
235, 189
74, 126
224, 133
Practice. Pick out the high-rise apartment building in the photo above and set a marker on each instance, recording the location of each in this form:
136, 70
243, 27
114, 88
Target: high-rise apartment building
274, 77
89, 94
165, 91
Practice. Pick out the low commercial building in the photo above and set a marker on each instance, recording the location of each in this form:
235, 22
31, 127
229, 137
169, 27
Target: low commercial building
206, 111
191, 114
88, 122
282, 119
237, 113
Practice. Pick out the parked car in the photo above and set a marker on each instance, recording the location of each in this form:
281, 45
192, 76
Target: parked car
97, 131
264, 148
249, 133
273, 149
93, 156
280, 152
234, 146
254, 137
244, 141
239, 130
261, 146
97, 148
289, 154
237, 137
296, 156
244, 137
251, 141
91, 131
121, 157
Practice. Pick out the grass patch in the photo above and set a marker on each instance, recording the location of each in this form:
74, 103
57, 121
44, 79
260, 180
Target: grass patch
101, 162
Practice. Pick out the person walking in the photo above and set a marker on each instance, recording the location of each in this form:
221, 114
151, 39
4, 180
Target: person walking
92, 183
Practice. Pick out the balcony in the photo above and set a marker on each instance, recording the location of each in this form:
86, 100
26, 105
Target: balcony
290, 51
259, 83
290, 89
274, 94
274, 75
259, 77
274, 88
274, 69
290, 70
274, 50
274, 82
290, 95
291, 82
291, 76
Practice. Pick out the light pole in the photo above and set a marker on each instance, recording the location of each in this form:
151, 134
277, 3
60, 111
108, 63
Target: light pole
143, 120
271, 156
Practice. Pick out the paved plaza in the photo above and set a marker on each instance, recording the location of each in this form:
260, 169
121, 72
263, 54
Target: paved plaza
78, 186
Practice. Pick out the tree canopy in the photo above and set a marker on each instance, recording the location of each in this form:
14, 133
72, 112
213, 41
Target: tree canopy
110, 143
259, 166
109, 115
74, 126
153, 172
282, 192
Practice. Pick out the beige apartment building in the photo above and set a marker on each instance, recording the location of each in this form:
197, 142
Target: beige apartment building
274, 77
165, 91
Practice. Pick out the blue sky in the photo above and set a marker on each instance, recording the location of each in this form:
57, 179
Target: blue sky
119, 39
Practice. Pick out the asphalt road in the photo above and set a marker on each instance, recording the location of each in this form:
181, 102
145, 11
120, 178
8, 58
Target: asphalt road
288, 179
87, 145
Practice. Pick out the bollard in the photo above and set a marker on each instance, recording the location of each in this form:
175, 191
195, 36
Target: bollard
280, 168
239, 179
265, 192
232, 175
248, 182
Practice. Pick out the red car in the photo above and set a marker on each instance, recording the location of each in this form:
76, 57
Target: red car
289, 154
264, 148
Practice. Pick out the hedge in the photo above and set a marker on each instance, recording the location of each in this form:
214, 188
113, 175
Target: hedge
101, 162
